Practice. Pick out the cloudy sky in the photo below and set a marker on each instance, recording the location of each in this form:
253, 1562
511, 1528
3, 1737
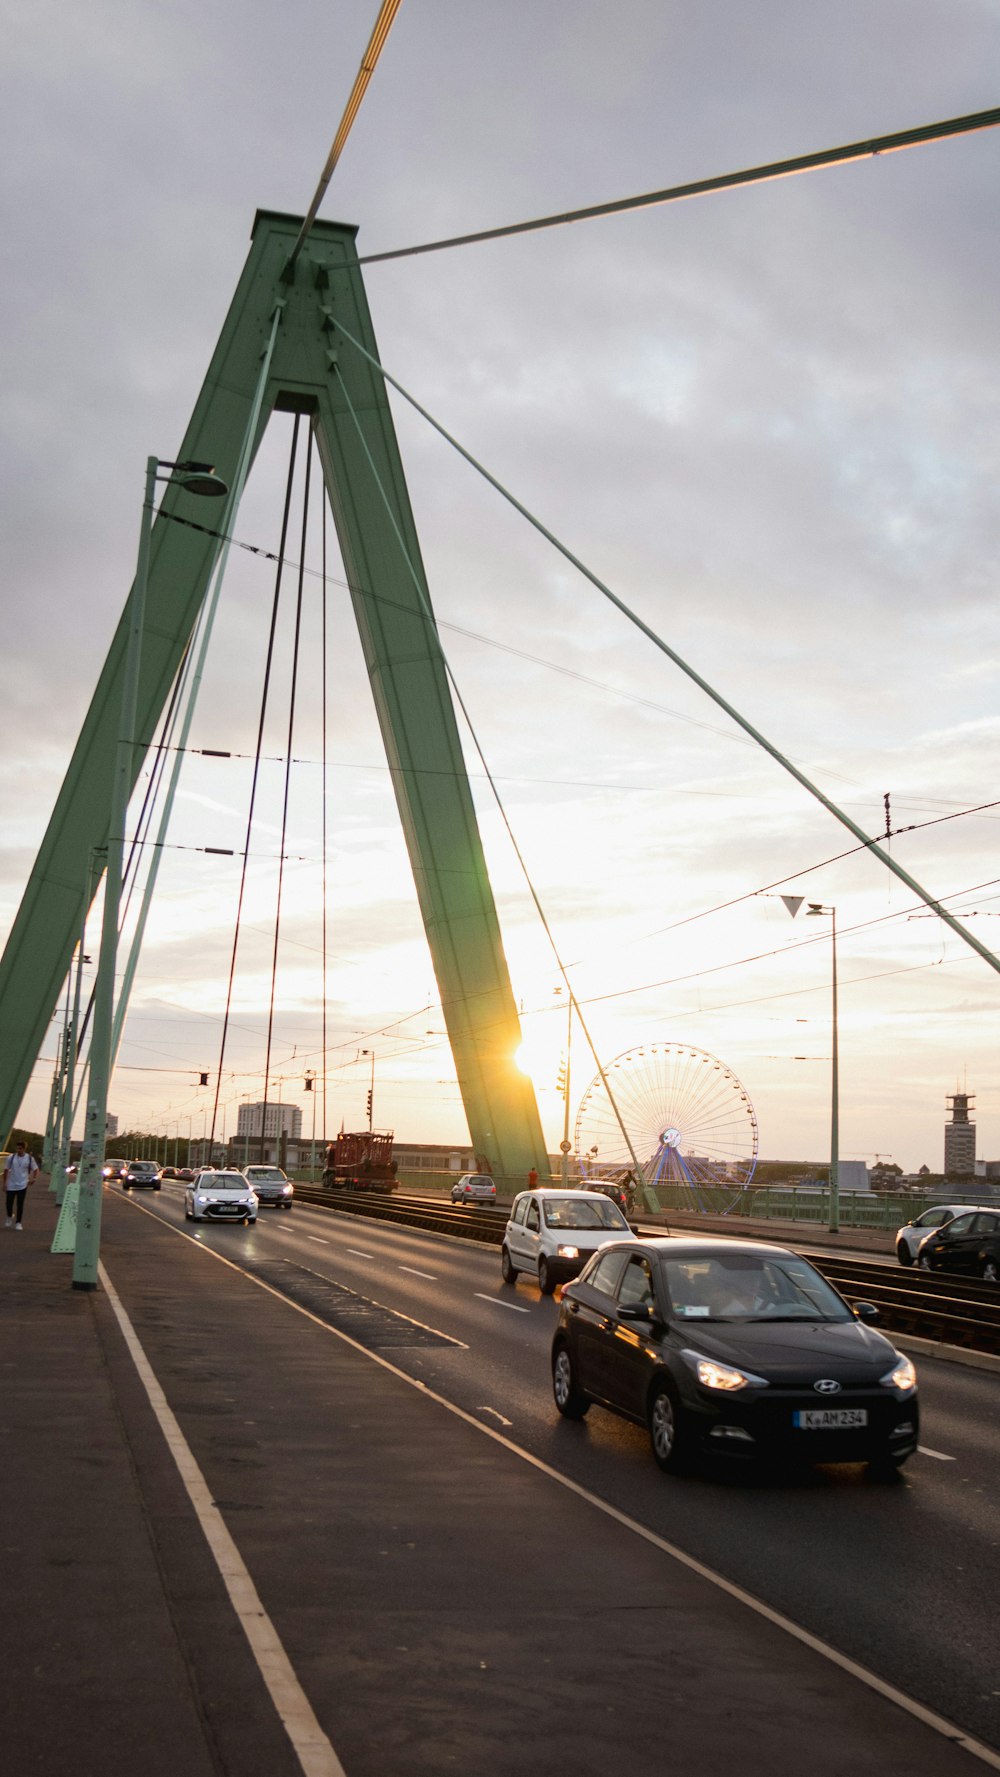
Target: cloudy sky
765, 418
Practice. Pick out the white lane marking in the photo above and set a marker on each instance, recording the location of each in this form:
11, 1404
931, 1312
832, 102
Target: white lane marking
428, 1274
316, 1240
312, 1748
356, 1255
938, 1455
499, 1302
938, 1723
495, 1414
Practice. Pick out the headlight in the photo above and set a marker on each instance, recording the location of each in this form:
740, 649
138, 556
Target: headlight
904, 1376
723, 1377
567, 1252
286, 1190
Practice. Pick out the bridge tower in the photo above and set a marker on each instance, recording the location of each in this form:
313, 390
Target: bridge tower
314, 372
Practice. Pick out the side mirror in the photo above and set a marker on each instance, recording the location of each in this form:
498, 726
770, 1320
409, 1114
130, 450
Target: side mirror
632, 1228
635, 1311
865, 1311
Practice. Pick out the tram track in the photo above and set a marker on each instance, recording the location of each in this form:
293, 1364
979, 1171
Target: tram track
952, 1311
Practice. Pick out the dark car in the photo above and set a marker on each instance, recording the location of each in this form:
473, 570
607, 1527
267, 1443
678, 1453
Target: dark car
732, 1347
969, 1244
141, 1172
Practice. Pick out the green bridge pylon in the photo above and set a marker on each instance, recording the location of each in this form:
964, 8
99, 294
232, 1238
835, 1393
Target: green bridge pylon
310, 373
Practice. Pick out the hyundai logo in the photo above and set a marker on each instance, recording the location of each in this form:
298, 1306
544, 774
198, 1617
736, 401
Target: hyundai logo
827, 1386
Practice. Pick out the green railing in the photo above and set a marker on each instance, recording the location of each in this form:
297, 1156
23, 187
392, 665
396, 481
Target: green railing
858, 1209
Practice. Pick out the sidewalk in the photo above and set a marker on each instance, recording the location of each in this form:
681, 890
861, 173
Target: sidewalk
445, 1604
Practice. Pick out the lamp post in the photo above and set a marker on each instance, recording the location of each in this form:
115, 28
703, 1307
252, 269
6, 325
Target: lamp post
815, 910
196, 478
371, 1089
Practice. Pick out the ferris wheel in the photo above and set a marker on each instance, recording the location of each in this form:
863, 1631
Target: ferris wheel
689, 1120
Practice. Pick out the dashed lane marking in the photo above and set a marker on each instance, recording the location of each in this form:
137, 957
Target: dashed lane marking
428, 1274
356, 1255
499, 1302
938, 1455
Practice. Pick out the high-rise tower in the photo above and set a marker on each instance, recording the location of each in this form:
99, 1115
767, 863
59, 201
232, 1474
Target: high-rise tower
960, 1137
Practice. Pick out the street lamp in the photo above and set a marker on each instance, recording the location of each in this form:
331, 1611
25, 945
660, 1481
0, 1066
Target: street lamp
815, 910
371, 1089
196, 478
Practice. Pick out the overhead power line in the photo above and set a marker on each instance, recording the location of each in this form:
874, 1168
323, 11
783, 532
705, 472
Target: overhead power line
762, 175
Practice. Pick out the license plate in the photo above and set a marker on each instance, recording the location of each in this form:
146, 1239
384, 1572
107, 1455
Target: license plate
829, 1418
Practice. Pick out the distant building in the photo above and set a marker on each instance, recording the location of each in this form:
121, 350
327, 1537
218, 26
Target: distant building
279, 1119
960, 1138
110, 1125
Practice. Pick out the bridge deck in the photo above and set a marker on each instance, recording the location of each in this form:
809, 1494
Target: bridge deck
444, 1604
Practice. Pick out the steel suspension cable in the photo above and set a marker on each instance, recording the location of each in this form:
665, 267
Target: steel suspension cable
269, 660
197, 654
696, 678
429, 620
130, 877
762, 175
284, 805
376, 44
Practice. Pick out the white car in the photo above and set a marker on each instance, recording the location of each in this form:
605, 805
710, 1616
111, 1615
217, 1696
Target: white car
220, 1197
552, 1233
909, 1237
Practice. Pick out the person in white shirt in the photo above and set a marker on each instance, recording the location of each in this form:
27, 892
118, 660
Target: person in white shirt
17, 1176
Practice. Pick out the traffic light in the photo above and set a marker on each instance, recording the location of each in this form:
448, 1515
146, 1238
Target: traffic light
203, 1079
309, 1083
369, 1106
561, 1078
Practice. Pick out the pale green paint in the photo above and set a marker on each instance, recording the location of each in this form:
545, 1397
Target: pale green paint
402, 653
64, 1238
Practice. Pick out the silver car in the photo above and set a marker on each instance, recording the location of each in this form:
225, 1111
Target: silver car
474, 1187
270, 1185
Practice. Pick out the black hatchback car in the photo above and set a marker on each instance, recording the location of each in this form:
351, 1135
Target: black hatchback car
732, 1347
970, 1244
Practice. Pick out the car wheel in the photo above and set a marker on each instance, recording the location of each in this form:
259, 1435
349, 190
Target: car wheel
156, 1187
666, 1427
508, 1271
546, 1281
251, 1221
904, 1254
991, 1271
126, 1187
570, 1400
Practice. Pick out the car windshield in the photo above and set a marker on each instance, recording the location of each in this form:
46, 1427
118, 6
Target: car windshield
266, 1175
224, 1181
750, 1286
575, 1212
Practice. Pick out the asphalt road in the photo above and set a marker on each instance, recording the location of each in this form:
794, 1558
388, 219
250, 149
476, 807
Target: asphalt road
903, 1577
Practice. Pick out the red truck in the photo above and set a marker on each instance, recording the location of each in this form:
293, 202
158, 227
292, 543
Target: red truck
361, 1162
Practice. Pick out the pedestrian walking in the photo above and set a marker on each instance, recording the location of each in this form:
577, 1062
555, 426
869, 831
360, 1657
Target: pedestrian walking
532, 1180
18, 1173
